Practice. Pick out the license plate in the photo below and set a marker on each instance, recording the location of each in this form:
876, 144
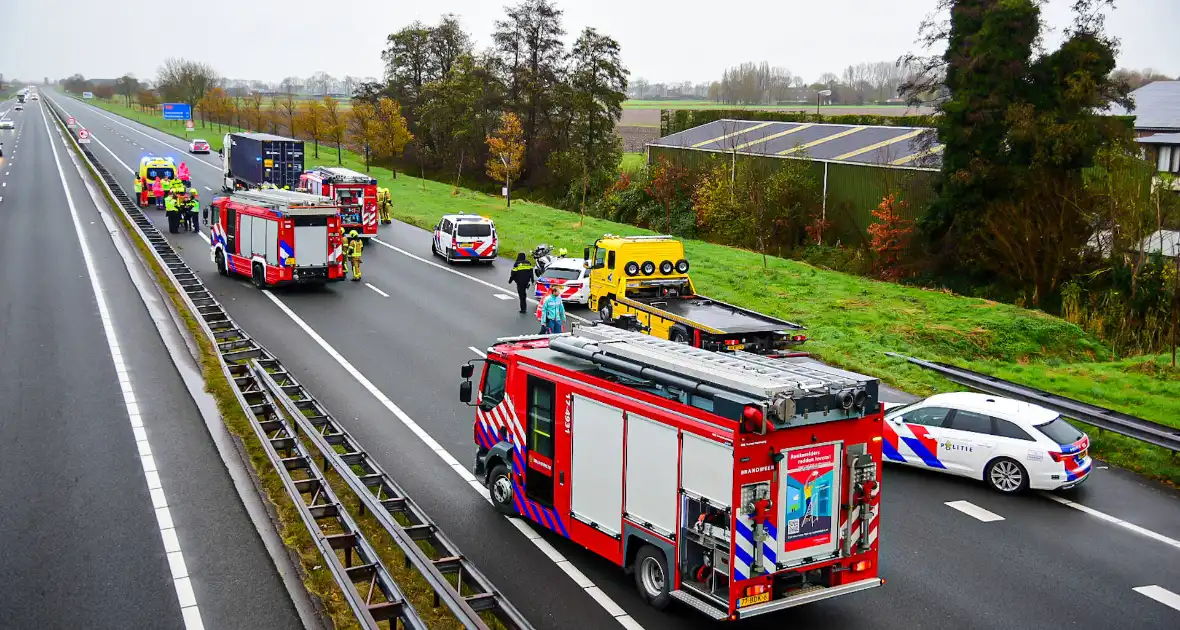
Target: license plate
754, 599
740, 346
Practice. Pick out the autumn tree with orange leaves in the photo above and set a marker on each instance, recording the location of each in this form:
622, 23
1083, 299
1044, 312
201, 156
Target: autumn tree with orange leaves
506, 146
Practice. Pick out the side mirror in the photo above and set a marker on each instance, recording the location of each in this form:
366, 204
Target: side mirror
467, 370
586, 254
465, 392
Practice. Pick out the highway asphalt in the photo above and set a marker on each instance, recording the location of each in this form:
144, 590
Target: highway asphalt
84, 540
1043, 564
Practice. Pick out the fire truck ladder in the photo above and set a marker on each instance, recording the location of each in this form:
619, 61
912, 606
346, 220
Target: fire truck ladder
284, 417
740, 372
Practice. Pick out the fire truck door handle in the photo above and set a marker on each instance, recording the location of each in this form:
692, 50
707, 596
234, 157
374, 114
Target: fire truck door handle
561, 478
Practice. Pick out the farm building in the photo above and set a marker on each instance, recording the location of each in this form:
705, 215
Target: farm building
857, 164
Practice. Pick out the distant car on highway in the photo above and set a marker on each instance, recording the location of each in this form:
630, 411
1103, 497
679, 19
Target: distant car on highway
571, 277
198, 146
6, 123
1011, 445
19, 107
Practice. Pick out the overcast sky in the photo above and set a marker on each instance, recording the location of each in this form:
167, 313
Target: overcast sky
662, 40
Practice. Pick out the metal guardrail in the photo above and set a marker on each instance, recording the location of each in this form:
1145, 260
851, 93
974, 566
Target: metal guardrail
1127, 425
279, 410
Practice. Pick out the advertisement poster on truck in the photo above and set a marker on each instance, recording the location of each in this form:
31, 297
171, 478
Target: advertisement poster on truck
811, 490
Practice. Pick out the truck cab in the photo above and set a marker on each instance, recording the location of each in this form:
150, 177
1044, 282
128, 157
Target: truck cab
645, 280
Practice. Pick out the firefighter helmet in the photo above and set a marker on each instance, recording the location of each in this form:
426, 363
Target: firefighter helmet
352, 234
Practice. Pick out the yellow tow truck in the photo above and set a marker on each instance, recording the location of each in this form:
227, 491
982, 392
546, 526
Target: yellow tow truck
643, 281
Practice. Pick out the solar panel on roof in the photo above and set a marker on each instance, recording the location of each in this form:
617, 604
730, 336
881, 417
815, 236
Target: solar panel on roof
872, 145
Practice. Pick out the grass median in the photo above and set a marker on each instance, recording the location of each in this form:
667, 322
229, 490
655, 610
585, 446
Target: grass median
852, 321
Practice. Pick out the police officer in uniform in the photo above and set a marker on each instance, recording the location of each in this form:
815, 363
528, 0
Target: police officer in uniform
522, 275
173, 214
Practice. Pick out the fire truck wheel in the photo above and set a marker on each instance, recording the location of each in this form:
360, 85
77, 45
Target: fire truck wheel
651, 577
219, 257
500, 487
259, 276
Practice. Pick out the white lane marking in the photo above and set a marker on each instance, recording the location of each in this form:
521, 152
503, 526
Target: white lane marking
102, 112
603, 600
1159, 594
379, 291
970, 509
561, 561
209, 189
184, 590
504, 296
1172, 542
457, 272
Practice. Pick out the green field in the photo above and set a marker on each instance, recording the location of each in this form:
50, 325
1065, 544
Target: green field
852, 321
633, 162
644, 104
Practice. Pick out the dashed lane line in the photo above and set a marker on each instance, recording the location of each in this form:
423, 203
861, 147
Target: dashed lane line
1172, 542
457, 272
180, 576
1159, 594
974, 511
379, 291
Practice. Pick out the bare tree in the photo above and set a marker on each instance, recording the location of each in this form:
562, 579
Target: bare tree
185, 81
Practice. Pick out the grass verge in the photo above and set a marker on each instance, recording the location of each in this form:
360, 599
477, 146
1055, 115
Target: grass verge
852, 321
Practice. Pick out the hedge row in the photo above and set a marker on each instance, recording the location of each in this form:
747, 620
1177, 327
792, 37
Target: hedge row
677, 120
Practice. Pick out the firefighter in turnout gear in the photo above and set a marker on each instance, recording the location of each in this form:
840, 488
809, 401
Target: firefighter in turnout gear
385, 206
139, 192
193, 210
353, 251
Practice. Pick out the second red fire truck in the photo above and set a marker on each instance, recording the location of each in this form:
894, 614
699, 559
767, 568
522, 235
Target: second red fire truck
276, 237
356, 193
737, 484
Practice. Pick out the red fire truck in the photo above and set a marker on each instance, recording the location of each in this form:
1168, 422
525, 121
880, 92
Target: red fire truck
277, 237
737, 484
356, 193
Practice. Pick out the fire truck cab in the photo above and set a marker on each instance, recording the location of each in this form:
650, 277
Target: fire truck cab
734, 483
277, 237
355, 193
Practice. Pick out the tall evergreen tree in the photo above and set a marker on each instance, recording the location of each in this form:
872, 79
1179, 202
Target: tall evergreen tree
531, 52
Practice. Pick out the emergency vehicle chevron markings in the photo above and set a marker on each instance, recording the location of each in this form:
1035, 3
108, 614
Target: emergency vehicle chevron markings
1159, 594
970, 509
180, 576
594, 592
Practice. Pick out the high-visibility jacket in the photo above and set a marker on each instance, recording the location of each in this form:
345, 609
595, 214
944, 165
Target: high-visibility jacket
182, 172
170, 204
178, 187
355, 246
158, 187
138, 186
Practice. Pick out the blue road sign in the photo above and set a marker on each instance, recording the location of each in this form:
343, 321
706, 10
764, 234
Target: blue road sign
177, 111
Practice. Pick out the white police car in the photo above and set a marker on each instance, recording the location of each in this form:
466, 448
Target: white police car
570, 276
465, 237
1010, 445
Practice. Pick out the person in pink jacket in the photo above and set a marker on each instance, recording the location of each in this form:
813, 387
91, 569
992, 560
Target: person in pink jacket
183, 174
158, 192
